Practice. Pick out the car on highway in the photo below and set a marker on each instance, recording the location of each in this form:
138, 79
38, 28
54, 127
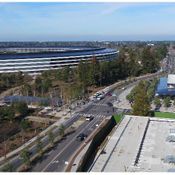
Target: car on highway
109, 104
89, 118
114, 95
81, 137
109, 94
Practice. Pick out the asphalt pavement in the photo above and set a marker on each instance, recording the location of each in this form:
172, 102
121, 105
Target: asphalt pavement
55, 161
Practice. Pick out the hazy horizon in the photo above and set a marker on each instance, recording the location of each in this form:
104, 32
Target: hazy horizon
56, 21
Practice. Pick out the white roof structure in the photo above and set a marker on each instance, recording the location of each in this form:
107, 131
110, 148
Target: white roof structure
171, 79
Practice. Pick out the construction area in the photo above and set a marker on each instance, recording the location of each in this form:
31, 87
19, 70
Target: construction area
138, 144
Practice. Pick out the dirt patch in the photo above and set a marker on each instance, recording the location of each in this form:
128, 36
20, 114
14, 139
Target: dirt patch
20, 138
8, 129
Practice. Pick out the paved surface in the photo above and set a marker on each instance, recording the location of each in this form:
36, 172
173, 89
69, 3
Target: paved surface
122, 147
56, 160
125, 144
122, 102
79, 158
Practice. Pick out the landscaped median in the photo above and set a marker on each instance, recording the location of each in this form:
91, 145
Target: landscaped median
41, 145
118, 118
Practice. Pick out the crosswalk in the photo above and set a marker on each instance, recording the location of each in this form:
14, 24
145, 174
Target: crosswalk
98, 104
88, 115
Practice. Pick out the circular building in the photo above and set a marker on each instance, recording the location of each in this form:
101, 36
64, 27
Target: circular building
34, 60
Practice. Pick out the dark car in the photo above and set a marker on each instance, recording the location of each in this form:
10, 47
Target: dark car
109, 104
109, 94
81, 137
157, 108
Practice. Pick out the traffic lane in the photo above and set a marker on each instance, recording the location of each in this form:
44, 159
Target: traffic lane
87, 109
71, 148
92, 109
102, 110
17, 161
58, 165
39, 166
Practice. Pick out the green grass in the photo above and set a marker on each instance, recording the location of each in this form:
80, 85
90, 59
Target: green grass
165, 115
118, 118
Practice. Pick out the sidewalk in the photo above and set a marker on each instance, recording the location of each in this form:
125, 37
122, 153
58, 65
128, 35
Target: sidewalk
79, 157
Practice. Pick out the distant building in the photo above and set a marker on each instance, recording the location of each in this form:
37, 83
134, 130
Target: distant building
36, 60
166, 86
171, 81
150, 44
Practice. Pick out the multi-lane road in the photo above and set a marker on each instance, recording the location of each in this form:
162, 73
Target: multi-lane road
55, 160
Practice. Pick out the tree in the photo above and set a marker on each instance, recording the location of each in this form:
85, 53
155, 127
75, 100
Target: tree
141, 105
8, 113
150, 63
39, 146
83, 71
25, 155
26, 89
46, 84
8, 168
51, 137
24, 124
157, 102
167, 102
62, 130
66, 74
21, 108
94, 72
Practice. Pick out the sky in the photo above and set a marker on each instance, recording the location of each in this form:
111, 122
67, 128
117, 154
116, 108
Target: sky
56, 21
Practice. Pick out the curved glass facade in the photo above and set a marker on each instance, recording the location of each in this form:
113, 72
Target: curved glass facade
37, 62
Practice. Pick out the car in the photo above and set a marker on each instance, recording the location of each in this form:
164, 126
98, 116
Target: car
89, 118
109, 104
81, 137
157, 108
109, 94
114, 95
98, 98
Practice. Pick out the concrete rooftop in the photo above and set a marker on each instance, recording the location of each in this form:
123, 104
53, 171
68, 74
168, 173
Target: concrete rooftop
123, 146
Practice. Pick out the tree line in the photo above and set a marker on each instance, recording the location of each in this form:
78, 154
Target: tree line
74, 83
